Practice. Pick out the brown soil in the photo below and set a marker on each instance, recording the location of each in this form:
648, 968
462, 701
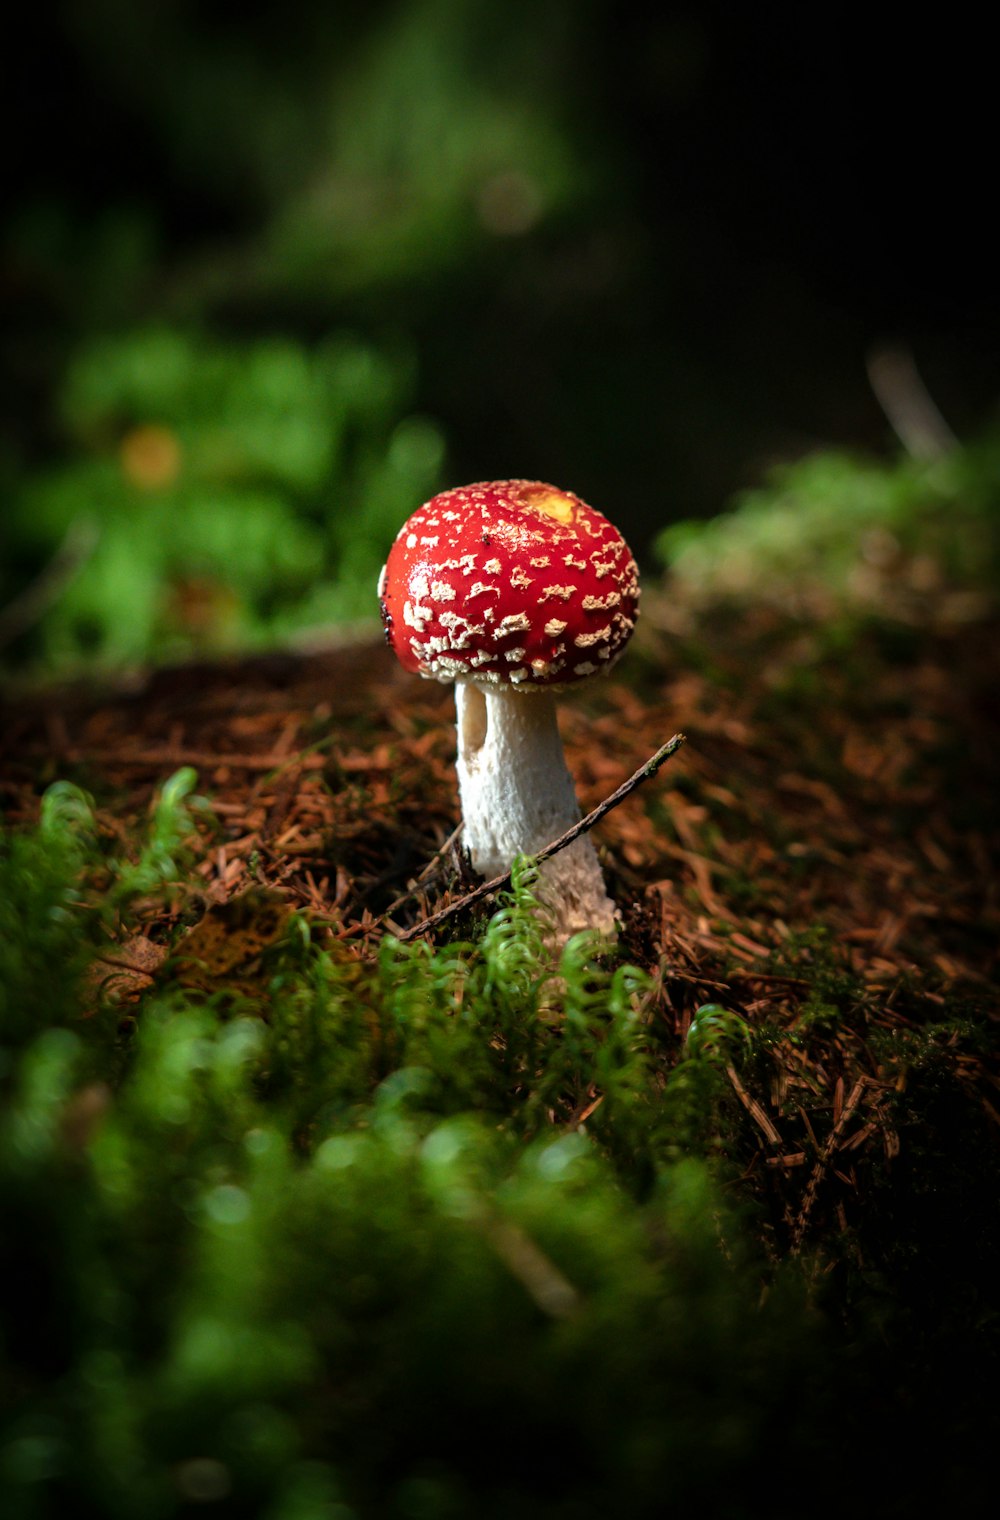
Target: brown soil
847, 791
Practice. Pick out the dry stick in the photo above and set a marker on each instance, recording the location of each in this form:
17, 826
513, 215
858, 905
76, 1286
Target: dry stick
912, 413
122, 965
823, 1161
206, 760
309, 759
644, 772
553, 1292
31, 604
439, 854
753, 1108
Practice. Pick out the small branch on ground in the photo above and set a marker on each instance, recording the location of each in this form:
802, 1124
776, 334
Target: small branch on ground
823, 1161
31, 604
753, 1108
912, 413
487, 888
427, 871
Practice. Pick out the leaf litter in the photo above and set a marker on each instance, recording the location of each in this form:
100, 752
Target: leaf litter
818, 862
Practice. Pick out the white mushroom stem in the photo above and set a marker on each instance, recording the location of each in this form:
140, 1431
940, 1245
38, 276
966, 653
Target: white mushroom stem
517, 796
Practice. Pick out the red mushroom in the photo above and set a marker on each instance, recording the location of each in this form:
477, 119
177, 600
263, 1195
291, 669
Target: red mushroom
514, 590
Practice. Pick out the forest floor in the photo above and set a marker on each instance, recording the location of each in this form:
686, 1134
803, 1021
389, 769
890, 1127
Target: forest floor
819, 858
809, 885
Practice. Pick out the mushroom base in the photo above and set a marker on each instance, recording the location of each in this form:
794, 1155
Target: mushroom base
517, 796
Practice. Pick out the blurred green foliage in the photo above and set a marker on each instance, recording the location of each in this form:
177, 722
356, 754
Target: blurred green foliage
274, 278
235, 492
357, 1257
837, 534
217, 372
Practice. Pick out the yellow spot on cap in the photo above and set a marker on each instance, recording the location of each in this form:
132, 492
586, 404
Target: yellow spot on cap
550, 501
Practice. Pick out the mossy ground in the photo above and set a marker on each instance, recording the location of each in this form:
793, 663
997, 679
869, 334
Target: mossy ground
300, 1222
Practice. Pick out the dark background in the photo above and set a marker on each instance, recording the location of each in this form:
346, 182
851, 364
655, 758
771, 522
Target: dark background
760, 195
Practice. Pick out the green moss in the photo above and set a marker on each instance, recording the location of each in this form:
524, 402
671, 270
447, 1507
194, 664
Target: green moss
847, 537
358, 1254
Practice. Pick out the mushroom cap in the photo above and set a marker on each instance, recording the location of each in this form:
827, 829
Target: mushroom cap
508, 582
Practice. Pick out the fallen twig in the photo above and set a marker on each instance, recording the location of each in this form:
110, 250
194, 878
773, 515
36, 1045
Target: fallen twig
652, 765
167, 757
823, 1161
907, 403
31, 604
427, 871
753, 1108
